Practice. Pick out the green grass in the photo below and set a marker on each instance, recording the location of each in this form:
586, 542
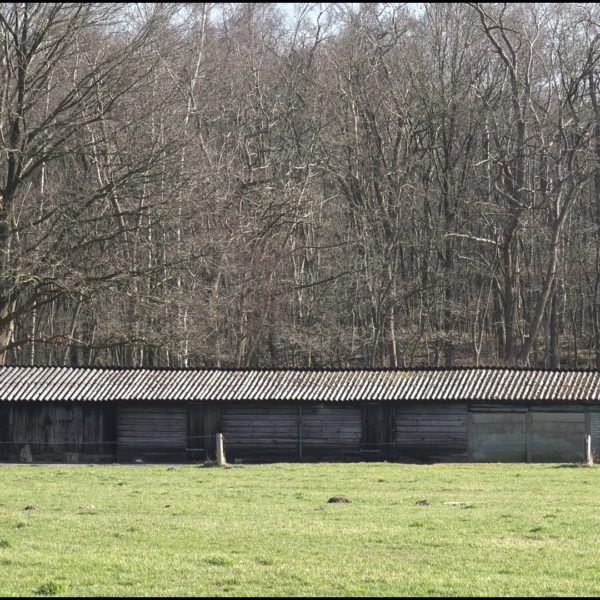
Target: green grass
269, 530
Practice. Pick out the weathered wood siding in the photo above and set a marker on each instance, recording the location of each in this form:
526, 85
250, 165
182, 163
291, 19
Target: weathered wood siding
4, 432
431, 430
260, 431
282, 431
331, 431
152, 431
53, 429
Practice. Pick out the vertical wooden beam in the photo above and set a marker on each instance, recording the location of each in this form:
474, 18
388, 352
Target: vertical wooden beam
4, 431
10, 448
300, 432
470, 452
211, 425
190, 429
392, 431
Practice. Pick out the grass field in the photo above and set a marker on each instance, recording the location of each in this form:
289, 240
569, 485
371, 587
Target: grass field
269, 530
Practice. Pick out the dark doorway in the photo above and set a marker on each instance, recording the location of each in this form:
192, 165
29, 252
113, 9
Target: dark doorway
378, 435
203, 425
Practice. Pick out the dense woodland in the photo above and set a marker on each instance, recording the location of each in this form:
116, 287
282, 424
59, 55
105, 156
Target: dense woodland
235, 185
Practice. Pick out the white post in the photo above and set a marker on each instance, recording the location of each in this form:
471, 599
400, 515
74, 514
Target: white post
589, 459
221, 462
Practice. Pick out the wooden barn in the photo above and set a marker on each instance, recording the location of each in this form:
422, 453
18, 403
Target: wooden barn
465, 414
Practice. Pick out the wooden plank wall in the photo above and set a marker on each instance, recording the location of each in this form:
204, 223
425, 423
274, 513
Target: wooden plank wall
53, 429
431, 430
260, 430
272, 431
152, 431
4, 431
331, 431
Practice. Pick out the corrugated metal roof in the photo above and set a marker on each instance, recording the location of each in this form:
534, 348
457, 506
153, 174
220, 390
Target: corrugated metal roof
101, 384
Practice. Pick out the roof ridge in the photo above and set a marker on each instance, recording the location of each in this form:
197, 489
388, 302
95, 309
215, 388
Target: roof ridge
423, 368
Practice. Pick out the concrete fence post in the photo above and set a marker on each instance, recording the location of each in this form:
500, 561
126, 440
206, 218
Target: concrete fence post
221, 462
589, 458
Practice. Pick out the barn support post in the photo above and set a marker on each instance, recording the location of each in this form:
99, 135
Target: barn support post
300, 433
221, 462
470, 452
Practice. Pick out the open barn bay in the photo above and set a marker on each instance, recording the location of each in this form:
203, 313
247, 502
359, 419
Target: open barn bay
270, 530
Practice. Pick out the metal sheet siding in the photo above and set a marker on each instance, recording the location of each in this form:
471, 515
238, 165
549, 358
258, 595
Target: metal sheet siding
477, 384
